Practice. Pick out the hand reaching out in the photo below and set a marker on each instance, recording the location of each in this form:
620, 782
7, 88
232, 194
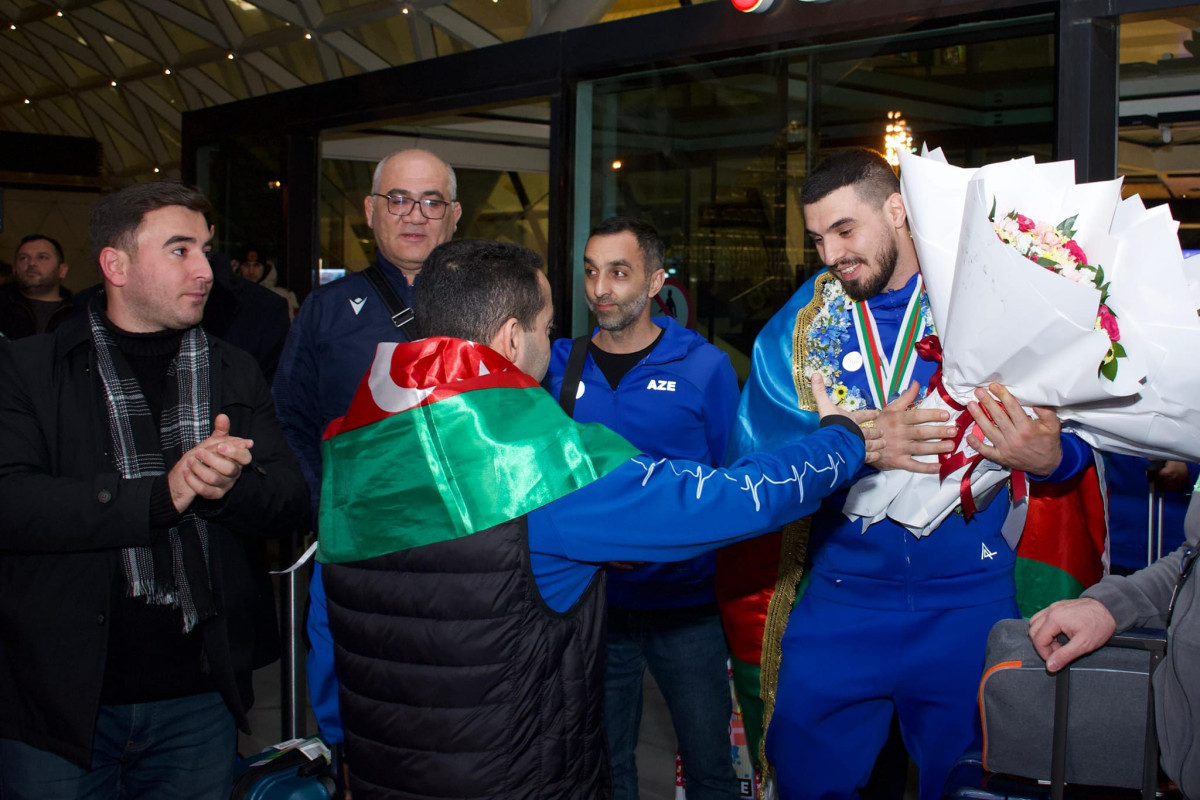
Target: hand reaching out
872, 439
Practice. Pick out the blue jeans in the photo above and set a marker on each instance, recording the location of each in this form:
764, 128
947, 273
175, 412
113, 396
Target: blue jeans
180, 749
687, 655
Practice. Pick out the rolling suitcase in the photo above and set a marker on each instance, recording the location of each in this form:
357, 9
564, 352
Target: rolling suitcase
1086, 732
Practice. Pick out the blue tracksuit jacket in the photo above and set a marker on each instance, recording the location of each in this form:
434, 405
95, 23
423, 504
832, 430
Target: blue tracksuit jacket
678, 402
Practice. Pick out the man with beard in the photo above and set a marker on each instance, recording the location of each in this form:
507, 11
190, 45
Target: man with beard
887, 623
35, 301
671, 394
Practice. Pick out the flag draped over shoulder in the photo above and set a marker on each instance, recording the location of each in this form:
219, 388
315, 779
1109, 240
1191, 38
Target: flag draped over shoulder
445, 438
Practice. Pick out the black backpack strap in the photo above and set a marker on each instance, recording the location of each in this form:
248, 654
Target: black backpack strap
401, 314
572, 375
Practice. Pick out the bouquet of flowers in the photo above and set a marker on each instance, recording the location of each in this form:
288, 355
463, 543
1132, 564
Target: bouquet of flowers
1024, 302
1158, 310
1054, 247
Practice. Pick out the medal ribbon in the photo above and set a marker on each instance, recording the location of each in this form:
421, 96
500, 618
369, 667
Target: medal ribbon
895, 372
930, 349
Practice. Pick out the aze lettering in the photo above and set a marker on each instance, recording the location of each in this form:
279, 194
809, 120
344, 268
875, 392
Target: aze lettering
661, 386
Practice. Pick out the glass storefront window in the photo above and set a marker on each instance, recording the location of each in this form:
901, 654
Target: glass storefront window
501, 159
1158, 145
715, 155
243, 177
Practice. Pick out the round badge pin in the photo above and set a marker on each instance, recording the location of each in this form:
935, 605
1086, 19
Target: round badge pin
852, 361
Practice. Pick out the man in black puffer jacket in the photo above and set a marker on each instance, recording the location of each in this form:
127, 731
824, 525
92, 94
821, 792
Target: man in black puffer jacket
464, 523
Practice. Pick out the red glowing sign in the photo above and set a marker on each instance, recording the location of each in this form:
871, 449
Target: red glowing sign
753, 6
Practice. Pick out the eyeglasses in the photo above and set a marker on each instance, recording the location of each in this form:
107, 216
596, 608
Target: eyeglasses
401, 206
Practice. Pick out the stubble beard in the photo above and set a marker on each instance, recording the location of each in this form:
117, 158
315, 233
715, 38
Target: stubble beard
36, 283
623, 315
868, 287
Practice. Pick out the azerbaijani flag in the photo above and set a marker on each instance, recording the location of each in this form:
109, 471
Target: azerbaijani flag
445, 438
1064, 545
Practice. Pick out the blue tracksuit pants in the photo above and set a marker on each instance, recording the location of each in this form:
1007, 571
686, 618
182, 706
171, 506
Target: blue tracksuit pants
844, 668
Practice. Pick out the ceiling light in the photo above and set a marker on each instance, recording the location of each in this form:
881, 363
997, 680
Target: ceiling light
307, 35
59, 14
156, 170
167, 71
112, 84
28, 101
12, 27
617, 164
229, 56
403, 10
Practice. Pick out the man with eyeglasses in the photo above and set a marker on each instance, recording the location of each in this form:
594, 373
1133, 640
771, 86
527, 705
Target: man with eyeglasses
411, 209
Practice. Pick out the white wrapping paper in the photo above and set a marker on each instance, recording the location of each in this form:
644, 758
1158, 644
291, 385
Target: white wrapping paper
1003, 318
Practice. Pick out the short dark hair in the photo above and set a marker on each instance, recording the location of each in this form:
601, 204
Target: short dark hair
41, 237
468, 288
873, 178
649, 242
117, 216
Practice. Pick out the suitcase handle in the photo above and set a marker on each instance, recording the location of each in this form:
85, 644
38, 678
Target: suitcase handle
1152, 640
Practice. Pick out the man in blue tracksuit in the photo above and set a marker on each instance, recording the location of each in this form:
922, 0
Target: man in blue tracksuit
671, 394
411, 210
888, 623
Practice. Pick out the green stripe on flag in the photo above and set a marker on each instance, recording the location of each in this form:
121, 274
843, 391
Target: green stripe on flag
452, 468
1039, 584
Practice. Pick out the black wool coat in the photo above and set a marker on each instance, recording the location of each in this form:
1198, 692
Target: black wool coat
65, 515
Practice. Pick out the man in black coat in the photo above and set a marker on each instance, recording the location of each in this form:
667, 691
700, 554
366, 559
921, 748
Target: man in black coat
140, 459
36, 301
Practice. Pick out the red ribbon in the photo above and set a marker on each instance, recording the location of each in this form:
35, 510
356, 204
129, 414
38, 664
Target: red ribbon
930, 349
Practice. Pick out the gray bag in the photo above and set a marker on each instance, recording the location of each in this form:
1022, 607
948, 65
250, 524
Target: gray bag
1093, 723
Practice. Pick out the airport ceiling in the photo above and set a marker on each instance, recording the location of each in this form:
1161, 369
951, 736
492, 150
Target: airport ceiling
123, 71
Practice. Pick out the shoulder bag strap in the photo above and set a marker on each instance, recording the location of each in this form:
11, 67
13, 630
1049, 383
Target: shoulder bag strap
572, 375
401, 313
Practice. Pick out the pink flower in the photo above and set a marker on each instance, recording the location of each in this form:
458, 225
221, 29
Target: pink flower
1024, 223
1075, 250
1109, 322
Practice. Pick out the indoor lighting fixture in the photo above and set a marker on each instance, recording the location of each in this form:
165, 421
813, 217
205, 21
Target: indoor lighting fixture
896, 138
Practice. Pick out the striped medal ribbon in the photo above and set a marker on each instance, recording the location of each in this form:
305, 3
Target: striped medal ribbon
885, 377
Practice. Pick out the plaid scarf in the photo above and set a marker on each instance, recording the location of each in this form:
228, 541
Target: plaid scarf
174, 570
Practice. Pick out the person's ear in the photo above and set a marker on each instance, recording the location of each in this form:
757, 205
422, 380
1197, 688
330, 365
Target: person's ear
62, 270
369, 210
894, 208
114, 264
507, 342
657, 280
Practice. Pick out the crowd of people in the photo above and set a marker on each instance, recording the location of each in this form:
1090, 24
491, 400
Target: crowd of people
511, 531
